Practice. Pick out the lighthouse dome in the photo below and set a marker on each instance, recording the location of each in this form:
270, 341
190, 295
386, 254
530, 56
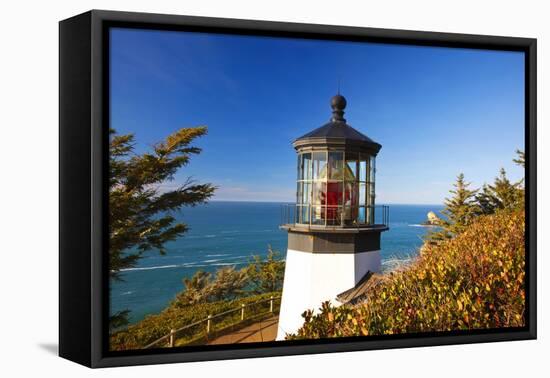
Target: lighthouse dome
338, 132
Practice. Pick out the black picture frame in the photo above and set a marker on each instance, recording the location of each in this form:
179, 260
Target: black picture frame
83, 122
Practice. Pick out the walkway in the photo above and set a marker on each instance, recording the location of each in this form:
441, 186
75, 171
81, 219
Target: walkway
266, 330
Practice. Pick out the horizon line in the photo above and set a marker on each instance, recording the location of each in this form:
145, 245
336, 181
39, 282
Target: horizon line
286, 202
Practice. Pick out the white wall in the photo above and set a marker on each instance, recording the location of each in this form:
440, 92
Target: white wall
313, 278
28, 154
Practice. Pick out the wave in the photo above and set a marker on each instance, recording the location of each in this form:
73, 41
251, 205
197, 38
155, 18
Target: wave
393, 263
396, 261
200, 236
225, 259
149, 268
228, 263
187, 265
211, 261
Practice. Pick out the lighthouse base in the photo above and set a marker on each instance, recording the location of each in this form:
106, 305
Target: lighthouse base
313, 278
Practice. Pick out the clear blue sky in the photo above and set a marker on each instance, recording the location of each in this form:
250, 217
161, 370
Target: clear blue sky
436, 111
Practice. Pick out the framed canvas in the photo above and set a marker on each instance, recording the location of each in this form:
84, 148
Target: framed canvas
235, 188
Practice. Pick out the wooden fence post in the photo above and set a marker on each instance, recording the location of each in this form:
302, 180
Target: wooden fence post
208, 324
242, 311
172, 337
271, 304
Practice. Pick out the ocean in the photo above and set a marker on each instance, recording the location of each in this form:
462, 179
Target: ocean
229, 233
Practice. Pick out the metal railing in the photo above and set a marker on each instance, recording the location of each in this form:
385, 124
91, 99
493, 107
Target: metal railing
333, 216
233, 317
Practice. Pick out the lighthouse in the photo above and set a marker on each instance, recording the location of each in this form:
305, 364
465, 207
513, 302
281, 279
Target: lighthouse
334, 228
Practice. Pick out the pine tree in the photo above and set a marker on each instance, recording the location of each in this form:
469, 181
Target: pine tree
141, 212
460, 211
502, 194
520, 160
486, 200
520, 188
506, 192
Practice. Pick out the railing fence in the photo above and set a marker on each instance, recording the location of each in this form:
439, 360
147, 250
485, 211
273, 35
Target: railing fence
377, 215
226, 320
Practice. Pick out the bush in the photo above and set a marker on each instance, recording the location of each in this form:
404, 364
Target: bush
473, 281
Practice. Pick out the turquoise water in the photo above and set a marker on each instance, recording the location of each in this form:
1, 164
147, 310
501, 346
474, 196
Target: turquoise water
228, 233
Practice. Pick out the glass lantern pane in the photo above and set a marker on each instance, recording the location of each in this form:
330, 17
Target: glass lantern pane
319, 165
299, 193
319, 193
306, 193
372, 169
351, 195
334, 194
363, 168
362, 194
371, 195
306, 166
318, 215
351, 166
336, 165
334, 216
349, 215
369, 216
299, 167
304, 214
361, 217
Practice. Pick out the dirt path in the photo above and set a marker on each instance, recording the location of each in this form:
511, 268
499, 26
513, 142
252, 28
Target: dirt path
266, 330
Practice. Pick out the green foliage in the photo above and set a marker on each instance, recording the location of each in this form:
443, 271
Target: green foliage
473, 281
227, 284
119, 320
520, 160
140, 213
260, 276
466, 204
266, 275
197, 289
503, 194
460, 211
176, 316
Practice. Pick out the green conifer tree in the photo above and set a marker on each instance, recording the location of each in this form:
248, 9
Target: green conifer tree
141, 208
520, 160
502, 194
486, 200
460, 210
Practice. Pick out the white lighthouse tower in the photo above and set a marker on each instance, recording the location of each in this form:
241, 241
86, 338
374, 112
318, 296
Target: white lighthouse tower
333, 234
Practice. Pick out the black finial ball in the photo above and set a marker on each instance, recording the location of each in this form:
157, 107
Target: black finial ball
338, 102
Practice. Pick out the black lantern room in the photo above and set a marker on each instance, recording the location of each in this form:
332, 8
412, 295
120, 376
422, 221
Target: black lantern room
336, 174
